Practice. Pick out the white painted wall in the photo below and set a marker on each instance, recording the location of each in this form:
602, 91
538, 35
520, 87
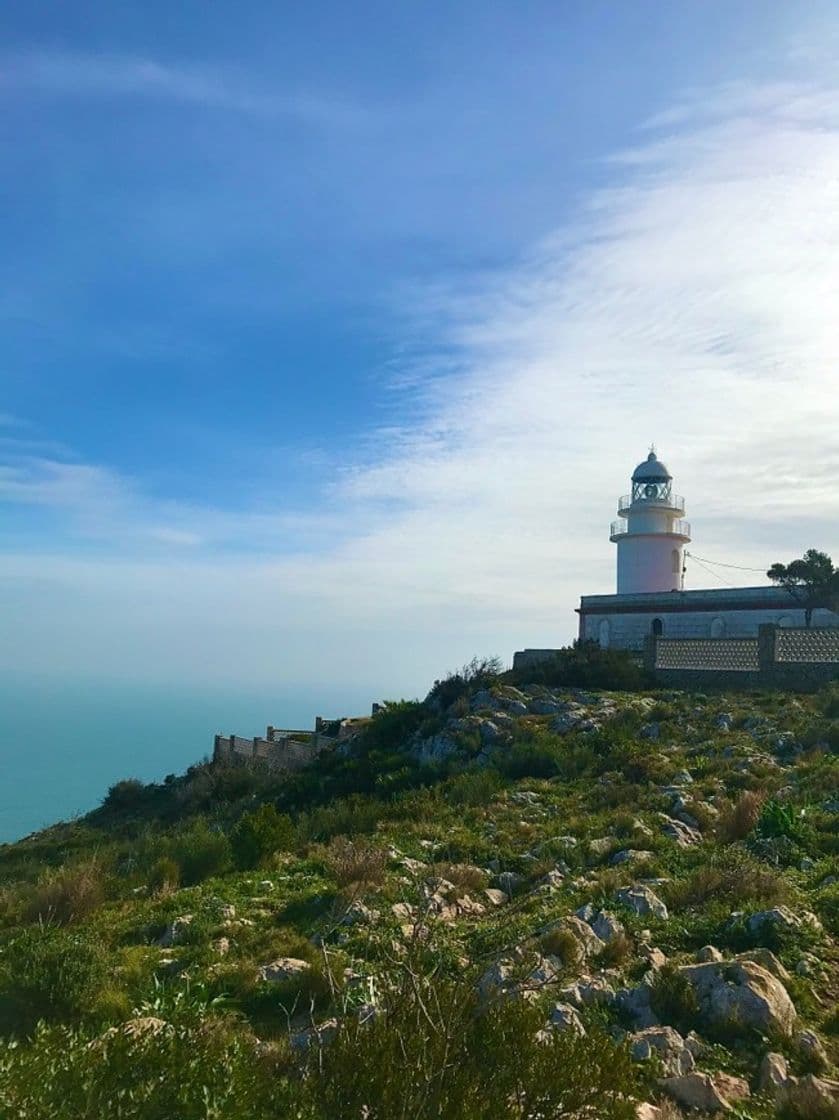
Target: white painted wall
647, 563
627, 631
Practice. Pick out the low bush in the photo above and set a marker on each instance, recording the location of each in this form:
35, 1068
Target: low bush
585, 664
260, 833
354, 862
739, 818
67, 894
50, 974
434, 1054
673, 999
480, 673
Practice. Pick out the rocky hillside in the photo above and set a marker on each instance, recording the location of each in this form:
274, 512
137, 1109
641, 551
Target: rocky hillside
502, 902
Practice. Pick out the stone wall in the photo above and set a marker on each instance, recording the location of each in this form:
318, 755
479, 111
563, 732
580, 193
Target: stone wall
799, 659
278, 753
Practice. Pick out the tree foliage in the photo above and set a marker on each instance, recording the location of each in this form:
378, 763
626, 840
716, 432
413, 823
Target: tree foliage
812, 581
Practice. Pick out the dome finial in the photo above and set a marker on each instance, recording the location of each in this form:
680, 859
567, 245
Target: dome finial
652, 454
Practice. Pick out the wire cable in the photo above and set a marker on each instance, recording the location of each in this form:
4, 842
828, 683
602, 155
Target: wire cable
708, 570
719, 564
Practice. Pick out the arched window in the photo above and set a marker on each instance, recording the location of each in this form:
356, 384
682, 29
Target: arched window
603, 633
677, 561
657, 627
718, 628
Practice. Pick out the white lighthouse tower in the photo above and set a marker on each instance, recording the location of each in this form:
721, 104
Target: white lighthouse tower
652, 536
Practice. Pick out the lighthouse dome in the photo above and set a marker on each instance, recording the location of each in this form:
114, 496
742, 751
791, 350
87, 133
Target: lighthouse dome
651, 470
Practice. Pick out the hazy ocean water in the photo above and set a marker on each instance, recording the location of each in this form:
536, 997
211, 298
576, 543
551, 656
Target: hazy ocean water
63, 744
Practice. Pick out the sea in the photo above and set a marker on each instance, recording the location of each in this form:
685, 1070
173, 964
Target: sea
62, 744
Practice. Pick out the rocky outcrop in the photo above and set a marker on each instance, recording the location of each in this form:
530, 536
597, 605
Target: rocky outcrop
283, 969
642, 901
667, 1045
706, 1092
741, 992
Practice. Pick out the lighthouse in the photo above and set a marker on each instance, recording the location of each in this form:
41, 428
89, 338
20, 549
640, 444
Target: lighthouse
650, 533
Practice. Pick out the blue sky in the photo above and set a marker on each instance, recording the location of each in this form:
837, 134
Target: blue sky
331, 334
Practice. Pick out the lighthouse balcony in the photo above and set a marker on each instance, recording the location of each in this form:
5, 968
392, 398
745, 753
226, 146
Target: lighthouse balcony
673, 502
677, 529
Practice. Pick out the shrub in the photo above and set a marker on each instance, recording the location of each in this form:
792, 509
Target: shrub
201, 852
731, 877
352, 862
67, 894
737, 820
164, 875
432, 1054
586, 665
47, 973
480, 673
473, 788
259, 834
130, 793
673, 999
178, 1070
562, 944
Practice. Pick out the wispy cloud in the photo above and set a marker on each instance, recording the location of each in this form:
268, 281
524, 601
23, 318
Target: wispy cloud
691, 303
114, 75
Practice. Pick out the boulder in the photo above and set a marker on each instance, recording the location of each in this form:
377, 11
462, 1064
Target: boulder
781, 918
510, 881
707, 953
811, 1048
642, 901
564, 1017
705, 1092
741, 992
175, 932
601, 845
682, 833
496, 897
773, 1074
589, 992
766, 959
283, 969
667, 1044
606, 926
812, 1096
647, 1111
635, 1003
588, 940
630, 855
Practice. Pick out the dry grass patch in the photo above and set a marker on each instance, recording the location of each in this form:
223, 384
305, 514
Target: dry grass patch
355, 862
739, 818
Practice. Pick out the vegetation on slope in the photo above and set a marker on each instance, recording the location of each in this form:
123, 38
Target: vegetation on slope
479, 908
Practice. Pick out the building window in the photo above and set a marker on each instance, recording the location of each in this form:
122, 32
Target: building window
718, 628
603, 634
657, 627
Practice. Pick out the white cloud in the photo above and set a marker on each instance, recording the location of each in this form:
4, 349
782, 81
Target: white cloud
692, 303
79, 73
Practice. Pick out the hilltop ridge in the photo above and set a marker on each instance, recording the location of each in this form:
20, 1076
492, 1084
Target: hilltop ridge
515, 898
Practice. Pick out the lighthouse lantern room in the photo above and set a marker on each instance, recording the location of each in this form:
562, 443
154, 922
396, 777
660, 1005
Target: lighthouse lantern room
650, 533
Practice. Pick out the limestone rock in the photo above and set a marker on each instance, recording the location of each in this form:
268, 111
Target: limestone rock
588, 940
647, 1111
606, 926
812, 1096
635, 1002
811, 1048
510, 881
642, 900
704, 1092
707, 953
741, 992
589, 992
630, 855
564, 1017
283, 969
682, 833
667, 1044
773, 1073
175, 932
766, 959
496, 897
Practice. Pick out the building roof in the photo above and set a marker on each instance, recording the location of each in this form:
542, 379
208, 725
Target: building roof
651, 470
702, 599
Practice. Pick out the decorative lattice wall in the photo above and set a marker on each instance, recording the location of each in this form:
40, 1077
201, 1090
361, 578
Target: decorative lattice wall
711, 654
820, 646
